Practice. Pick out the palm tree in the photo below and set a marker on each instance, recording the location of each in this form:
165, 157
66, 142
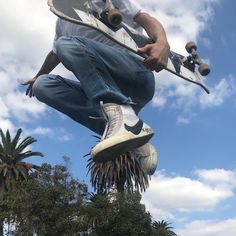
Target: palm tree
162, 228
12, 153
98, 209
124, 174
13, 169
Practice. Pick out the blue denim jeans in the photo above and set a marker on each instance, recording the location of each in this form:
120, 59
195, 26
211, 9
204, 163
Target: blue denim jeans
104, 73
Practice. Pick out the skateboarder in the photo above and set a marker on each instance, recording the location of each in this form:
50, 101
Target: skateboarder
113, 84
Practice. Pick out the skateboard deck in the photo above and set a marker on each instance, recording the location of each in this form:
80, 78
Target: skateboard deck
82, 12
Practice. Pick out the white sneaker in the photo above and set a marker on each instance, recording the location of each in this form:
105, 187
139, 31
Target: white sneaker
124, 131
147, 156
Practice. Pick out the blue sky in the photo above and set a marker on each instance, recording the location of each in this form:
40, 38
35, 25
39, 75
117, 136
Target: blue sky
195, 184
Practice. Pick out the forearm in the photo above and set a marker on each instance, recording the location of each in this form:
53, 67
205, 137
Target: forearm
156, 53
152, 26
50, 62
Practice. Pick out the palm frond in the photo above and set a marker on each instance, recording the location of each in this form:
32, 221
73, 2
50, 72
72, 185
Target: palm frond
16, 173
3, 138
16, 139
123, 172
8, 141
5, 170
25, 143
3, 144
163, 228
1, 147
24, 155
23, 173
97, 207
28, 166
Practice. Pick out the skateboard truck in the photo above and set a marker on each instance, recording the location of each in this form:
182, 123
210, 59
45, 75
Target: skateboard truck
111, 15
194, 59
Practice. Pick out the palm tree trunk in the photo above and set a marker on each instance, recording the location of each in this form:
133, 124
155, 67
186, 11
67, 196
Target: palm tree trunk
120, 187
121, 184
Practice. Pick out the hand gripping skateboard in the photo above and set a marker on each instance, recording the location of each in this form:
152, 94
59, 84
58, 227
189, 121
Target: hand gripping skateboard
109, 22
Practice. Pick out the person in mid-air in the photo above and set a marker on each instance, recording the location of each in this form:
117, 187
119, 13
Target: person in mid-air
113, 83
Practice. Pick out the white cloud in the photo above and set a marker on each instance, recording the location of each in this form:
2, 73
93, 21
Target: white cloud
6, 124
175, 92
223, 41
224, 89
209, 228
26, 29
53, 133
183, 19
217, 177
183, 120
168, 195
42, 131
24, 39
172, 92
4, 111
23, 108
6, 83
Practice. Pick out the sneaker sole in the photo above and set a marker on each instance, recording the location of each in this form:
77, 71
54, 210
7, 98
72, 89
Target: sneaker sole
107, 150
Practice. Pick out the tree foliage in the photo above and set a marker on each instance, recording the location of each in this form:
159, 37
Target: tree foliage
52, 203
12, 153
162, 228
117, 214
13, 170
51, 199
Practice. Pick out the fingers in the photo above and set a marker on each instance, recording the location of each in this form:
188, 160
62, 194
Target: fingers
26, 83
154, 60
152, 64
29, 90
144, 50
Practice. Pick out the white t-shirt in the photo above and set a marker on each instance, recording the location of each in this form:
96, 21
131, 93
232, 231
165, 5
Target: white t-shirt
128, 8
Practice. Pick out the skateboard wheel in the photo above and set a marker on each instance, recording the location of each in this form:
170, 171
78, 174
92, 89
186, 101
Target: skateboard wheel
204, 69
114, 17
190, 46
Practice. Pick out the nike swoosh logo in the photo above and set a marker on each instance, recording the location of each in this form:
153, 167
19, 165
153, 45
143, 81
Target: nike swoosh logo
136, 129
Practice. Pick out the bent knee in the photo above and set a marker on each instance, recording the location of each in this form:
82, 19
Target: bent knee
67, 44
39, 86
60, 43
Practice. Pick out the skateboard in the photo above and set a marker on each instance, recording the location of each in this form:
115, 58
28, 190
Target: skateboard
109, 22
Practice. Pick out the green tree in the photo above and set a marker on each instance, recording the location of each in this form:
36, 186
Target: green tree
13, 170
97, 209
118, 214
124, 174
51, 203
162, 228
12, 153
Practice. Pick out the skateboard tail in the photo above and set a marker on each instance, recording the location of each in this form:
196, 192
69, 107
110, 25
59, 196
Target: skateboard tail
186, 74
